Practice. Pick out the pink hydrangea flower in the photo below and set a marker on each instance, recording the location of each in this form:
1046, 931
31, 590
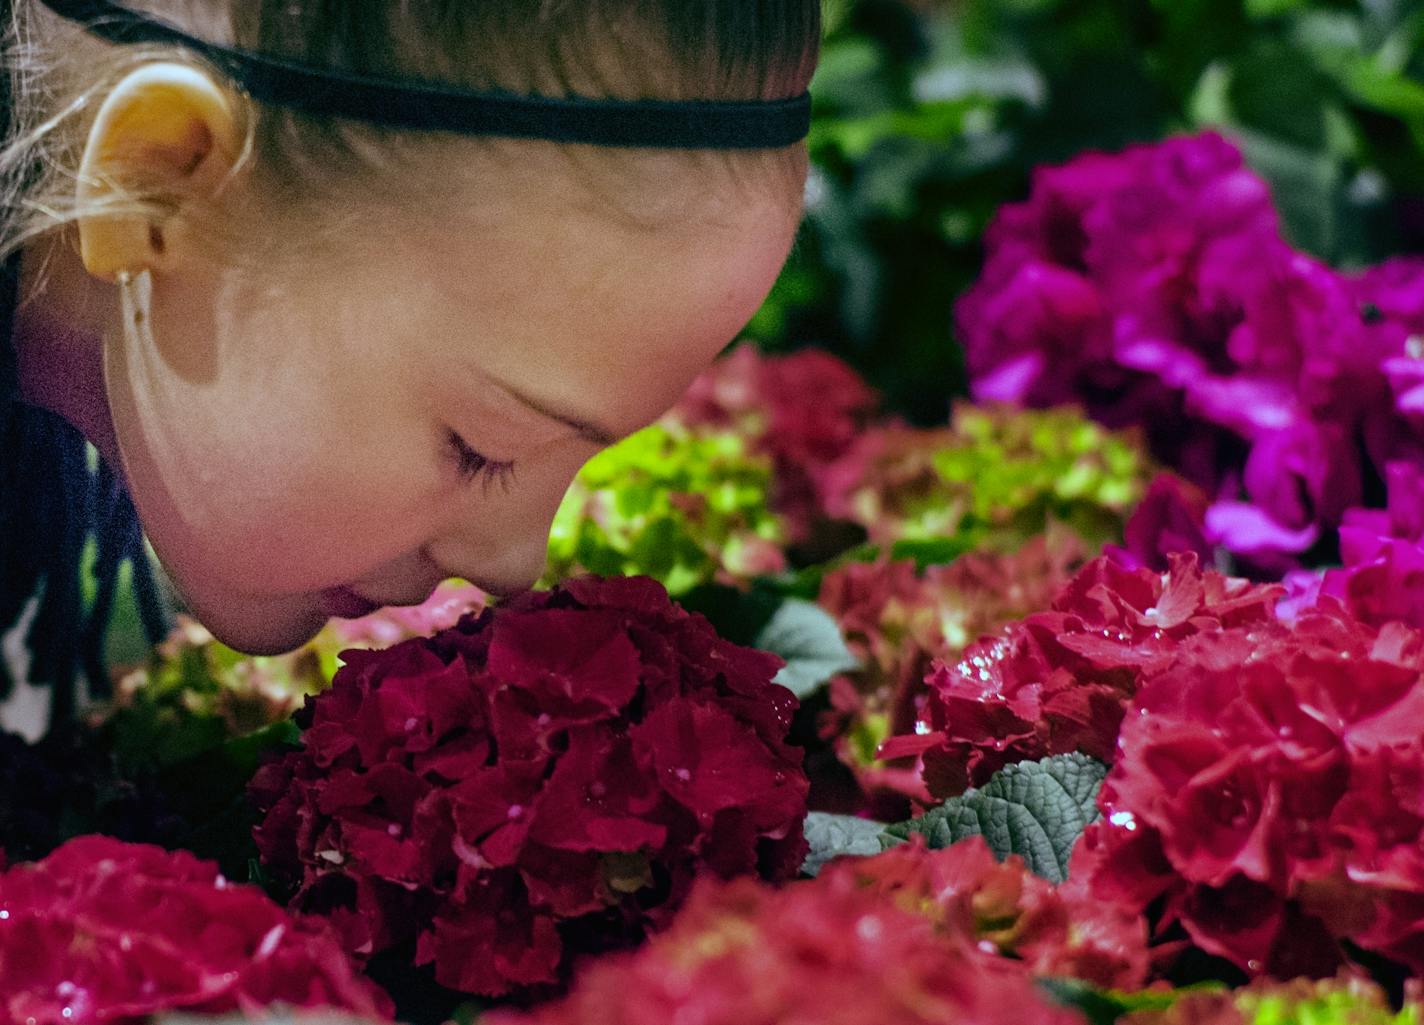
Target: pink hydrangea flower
832, 950
107, 932
1267, 796
1060, 681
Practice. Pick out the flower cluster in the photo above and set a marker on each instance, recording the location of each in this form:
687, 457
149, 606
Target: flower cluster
683, 505
1383, 553
1268, 796
1059, 681
992, 479
831, 951
1054, 931
897, 621
1154, 286
103, 931
1349, 1000
804, 410
537, 781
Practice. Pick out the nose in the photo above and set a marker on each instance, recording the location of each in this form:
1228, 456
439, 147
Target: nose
502, 545
513, 568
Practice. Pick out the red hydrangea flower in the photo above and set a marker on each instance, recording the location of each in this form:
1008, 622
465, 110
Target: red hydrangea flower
1268, 796
1055, 931
104, 931
804, 410
830, 951
1059, 681
540, 779
897, 621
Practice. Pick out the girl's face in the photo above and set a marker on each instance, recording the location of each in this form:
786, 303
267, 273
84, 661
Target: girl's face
354, 429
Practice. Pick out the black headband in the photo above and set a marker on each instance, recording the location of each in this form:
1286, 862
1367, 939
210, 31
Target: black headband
660, 124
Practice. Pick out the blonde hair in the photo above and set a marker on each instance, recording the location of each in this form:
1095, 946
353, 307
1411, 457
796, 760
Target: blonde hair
665, 49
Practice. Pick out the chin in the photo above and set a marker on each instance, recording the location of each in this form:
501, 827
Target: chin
259, 629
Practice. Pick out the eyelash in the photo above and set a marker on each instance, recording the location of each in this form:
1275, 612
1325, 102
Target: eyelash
475, 467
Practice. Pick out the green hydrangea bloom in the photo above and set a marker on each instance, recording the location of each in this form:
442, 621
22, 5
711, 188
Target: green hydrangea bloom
684, 505
995, 477
1322, 1003
196, 693
1342, 1001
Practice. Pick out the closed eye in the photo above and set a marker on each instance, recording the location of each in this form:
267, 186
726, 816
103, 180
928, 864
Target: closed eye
477, 468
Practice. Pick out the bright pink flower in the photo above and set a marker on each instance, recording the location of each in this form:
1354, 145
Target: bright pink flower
1269, 792
104, 931
1056, 931
1170, 520
1059, 681
541, 779
1153, 286
1383, 554
898, 621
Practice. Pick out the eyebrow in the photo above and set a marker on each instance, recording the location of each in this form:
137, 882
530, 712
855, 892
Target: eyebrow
585, 429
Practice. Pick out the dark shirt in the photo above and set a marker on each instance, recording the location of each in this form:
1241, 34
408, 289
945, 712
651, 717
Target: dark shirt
53, 505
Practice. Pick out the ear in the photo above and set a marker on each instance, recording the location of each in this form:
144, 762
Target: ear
166, 135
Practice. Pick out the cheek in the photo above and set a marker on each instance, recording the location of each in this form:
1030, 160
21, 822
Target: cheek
257, 479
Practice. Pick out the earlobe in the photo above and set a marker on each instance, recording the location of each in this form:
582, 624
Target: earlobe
167, 137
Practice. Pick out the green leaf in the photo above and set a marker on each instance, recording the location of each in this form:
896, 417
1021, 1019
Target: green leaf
810, 641
740, 616
1037, 810
830, 836
1260, 10
1104, 1007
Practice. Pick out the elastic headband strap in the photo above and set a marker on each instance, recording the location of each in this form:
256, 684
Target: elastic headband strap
428, 106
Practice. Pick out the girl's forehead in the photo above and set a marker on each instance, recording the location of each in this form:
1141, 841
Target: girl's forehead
590, 315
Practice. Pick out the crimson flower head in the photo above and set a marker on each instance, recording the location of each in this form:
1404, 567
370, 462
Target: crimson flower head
898, 620
1059, 681
830, 951
539, 780
1268, 796
805, 410
1056, 931
108, 932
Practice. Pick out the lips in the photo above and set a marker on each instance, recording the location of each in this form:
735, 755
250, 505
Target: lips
345, 603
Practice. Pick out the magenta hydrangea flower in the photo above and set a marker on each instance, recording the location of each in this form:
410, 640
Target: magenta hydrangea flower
1154, 287
1382, 579
541, 780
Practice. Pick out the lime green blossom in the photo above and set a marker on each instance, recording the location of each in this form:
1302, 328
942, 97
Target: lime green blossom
993, 478
684, 505
1343, 1001
1323, 1003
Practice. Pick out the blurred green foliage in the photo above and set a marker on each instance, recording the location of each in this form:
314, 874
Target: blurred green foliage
931, 115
